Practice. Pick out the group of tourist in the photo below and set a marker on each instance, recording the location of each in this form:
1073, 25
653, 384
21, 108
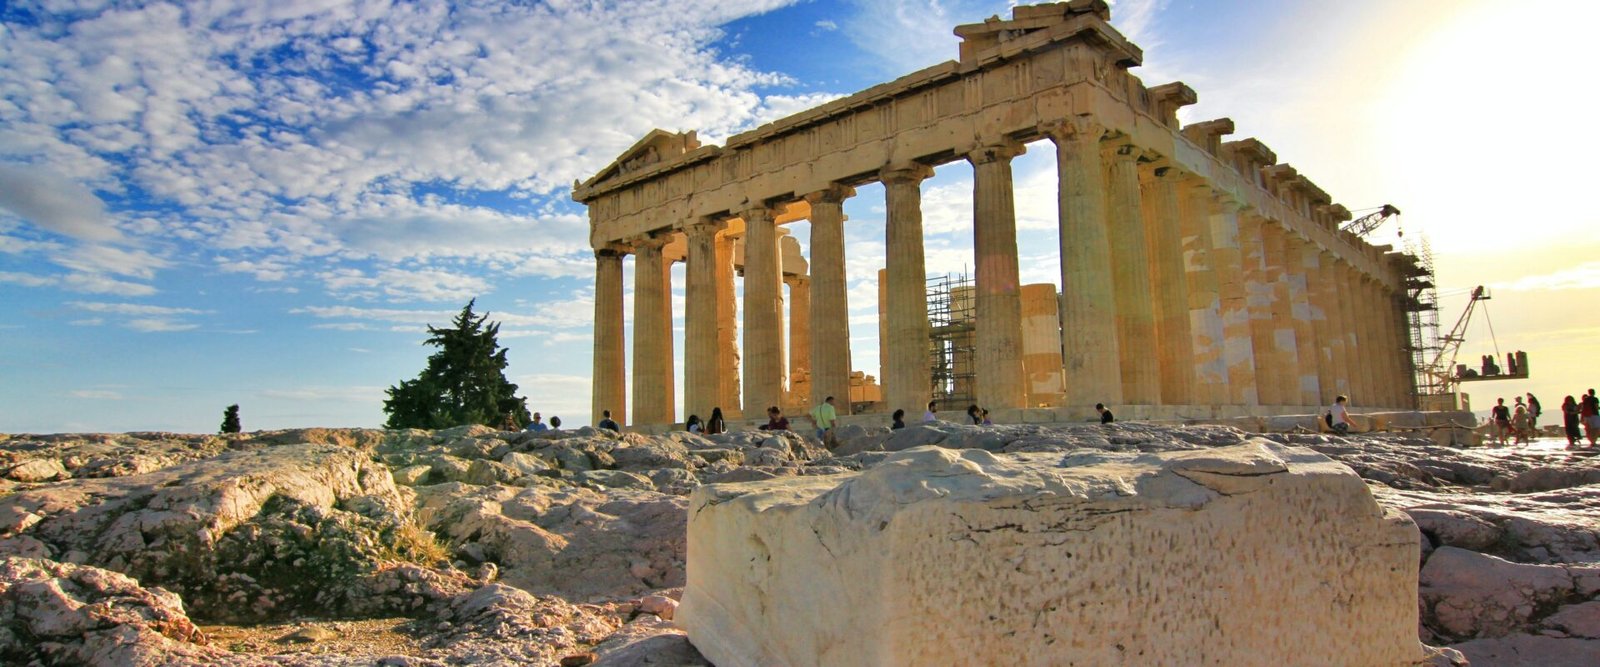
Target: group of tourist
1576, 413
1519, 425
537, 425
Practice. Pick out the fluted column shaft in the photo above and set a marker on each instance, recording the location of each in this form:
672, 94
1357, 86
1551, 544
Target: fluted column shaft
1228, 257
610, 358
998, 297
1306, 345
728, 390
1130, 279
799, 340
1285, 355
1169, 283
1360, 369
1335, 338
1322, 322
652, 335
1088, 304
907, 381
701, 377
763, 319
830, 305
1204, 303
1259, 290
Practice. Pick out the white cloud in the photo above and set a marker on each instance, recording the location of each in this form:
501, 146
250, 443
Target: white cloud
131, 308
158, 324
1582, 276
319, 394
97, 394
54, 203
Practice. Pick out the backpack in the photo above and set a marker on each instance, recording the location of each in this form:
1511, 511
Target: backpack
1328, 417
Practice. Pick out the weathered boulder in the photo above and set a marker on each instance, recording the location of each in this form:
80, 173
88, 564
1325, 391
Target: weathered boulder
1474, 595
38, 470
939, 556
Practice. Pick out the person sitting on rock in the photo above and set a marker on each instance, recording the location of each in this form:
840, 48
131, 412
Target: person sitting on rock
775, 420
537, 425
1105, 413
929, 415
715, 425
972, 413
899, 417
1339, 416
693, 425
607, 423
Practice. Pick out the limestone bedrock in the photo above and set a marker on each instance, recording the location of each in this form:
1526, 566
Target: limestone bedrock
1255, 554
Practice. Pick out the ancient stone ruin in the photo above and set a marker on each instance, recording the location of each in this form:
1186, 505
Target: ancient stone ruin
1201, 278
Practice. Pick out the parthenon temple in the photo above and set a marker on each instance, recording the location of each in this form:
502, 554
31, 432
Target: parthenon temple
1200, 277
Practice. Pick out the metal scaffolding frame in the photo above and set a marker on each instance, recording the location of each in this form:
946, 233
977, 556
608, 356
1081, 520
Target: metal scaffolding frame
951, 339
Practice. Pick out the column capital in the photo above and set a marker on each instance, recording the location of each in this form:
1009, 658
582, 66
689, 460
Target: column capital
704, 226
995, 151
904, 172
612, 250
833, 194
794, 279
758, 210
648, 242
1119, 149
1074, 128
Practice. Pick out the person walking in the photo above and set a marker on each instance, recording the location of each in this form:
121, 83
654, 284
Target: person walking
825, 415
1519, 425
1590, 410
1502, 420
1105, 413
715, 425
1569, 421
1339, 415
1534, 410
607, 423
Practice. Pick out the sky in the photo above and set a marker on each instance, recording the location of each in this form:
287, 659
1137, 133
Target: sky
227, 201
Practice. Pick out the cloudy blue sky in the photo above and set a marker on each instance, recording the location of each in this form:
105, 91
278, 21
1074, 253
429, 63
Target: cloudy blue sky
231, 201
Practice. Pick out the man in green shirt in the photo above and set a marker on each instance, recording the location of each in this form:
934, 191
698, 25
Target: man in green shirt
825, 415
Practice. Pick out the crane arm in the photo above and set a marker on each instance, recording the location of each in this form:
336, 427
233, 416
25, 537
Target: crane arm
1367, 223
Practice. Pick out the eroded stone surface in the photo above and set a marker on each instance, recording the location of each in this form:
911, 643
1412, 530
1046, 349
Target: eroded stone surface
1085, 557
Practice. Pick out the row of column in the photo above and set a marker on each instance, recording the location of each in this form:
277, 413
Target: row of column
1171, 295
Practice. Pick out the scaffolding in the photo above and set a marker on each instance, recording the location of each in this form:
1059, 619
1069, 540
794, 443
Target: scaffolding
951, 337
1431, 390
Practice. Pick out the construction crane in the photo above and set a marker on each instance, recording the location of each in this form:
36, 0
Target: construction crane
1443, 376
1365, 224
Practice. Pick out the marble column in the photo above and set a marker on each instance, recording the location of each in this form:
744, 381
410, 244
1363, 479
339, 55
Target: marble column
830, 306
1090, 349
701, 379
1286, 355
1204, 302
728, 388
652, 334
1259, 294
1322, 321
907, 381
610, 357
763, 319
1130, 278
1360, 369
1169, 283
998, 297
799, 341
1306, 345
1228, 258
1041, 344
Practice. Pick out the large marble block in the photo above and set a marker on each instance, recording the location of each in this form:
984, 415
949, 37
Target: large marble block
1256, 554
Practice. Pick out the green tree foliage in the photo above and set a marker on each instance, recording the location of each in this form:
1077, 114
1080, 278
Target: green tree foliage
230, 419
464, 382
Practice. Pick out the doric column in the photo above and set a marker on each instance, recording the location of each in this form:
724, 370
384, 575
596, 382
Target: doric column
1233, 291
1389, 331
1322, 321
1306, 345
1286, 355
1130, 278
610, 359
1169, 283
1337, 380
799, 340
728, 392
1204, 303
652, 334
998, 356
1041, 344
1259, 294
830, 306
1088, 305
701, 377
907, 380
763, 319
1360, 370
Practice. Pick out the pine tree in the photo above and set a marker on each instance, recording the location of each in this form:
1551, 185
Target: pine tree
464, 382
230, 419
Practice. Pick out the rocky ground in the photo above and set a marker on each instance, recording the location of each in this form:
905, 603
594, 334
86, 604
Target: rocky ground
472, 546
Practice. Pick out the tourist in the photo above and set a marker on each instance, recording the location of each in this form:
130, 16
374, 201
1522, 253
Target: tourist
1502, 420
775, 420
607, 424
1105, 414
537, 425
693, 425
972, 413
1519, 424
715, 425
1339, 415
1569, 420
985, 413
1590, 410
824, 416
1534, 410
899, 417
555, 423
929, 415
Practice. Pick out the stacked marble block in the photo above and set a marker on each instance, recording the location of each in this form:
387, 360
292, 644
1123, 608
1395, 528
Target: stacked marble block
1256, 554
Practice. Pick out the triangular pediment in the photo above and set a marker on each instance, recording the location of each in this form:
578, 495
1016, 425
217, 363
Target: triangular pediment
656, 146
